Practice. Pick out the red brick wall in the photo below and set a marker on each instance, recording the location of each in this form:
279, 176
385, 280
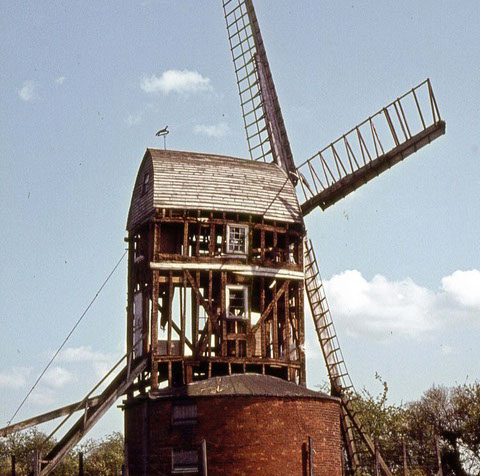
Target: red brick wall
246, 436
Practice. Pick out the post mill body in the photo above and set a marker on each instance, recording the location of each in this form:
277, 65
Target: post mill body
216, 303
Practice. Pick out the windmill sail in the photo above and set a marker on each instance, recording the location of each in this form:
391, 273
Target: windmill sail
384, 139
266, 134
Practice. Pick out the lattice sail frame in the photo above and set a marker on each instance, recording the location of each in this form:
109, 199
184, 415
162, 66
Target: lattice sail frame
384, 139
263, 121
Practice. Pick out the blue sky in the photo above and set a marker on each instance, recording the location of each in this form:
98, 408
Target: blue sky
84, 86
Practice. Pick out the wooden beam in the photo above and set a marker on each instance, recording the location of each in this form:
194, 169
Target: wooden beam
202, 343
283, 272
154, 333
179, 332
170, 311
202, 301
44, 417
263, 335
270, 306
183, 304
286, 343
275, 320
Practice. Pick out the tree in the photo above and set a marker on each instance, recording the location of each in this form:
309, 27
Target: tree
102, 457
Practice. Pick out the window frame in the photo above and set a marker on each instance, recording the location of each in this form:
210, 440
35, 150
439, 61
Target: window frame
193, 420
245, 289
245, 247
146, 182
185, 470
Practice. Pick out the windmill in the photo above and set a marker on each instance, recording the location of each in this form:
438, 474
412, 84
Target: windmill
185, 245
384, 139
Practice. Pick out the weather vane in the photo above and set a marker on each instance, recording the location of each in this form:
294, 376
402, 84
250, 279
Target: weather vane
163, 133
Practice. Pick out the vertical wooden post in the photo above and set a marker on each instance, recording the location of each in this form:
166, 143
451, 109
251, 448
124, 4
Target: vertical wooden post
80, 464
36, 463
213, 239
183, 312
262, 243
405, 466
209, 323
13, 465
310, 456
439, 457
286, 344
223, 312
204, 458
130, 292
170, 311
275, 322
263, 334
185, 238
154, 333
301, 317
377, 465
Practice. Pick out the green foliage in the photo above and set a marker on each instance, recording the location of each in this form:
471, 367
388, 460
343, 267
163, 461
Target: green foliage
449, 415
101, 457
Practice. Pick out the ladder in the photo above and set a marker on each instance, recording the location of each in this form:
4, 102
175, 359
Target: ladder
354, 434
119, 385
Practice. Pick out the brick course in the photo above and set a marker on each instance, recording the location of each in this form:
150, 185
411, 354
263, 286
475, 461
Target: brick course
245, 435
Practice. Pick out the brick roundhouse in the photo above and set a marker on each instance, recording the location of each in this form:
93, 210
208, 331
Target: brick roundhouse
216, 305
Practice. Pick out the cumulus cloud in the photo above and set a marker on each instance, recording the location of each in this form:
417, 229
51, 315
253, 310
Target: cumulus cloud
57, 377
100, 362
82, 354
15, 379
60, 79
27, 91
218, 130
176, 81
464, 287
382, 308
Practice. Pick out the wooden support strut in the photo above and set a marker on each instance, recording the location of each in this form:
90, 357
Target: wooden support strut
270, 306
201, 346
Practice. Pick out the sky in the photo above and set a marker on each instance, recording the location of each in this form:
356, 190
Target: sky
84, 86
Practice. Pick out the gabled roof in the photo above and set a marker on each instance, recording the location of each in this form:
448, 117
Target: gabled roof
192, 181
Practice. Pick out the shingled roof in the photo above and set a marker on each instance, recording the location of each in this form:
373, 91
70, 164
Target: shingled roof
241, 385
192, 181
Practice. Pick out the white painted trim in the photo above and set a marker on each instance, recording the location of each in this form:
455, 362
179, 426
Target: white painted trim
243, 269
245, 300
236, 225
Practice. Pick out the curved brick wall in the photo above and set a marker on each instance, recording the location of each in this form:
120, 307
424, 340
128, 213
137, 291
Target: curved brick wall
245, 435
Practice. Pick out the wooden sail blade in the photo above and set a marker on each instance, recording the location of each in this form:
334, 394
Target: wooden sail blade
353, 432
264, 126
384, 139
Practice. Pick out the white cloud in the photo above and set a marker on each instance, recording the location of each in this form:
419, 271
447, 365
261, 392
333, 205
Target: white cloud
27, 91
133, 119
464, 287
60, 79
15, 379
57, 377
381, 308
82, 354
176, 81
218, 130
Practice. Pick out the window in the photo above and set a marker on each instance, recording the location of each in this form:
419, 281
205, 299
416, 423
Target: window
185, 460
184, 414
237, 302
146, 182
237, 239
